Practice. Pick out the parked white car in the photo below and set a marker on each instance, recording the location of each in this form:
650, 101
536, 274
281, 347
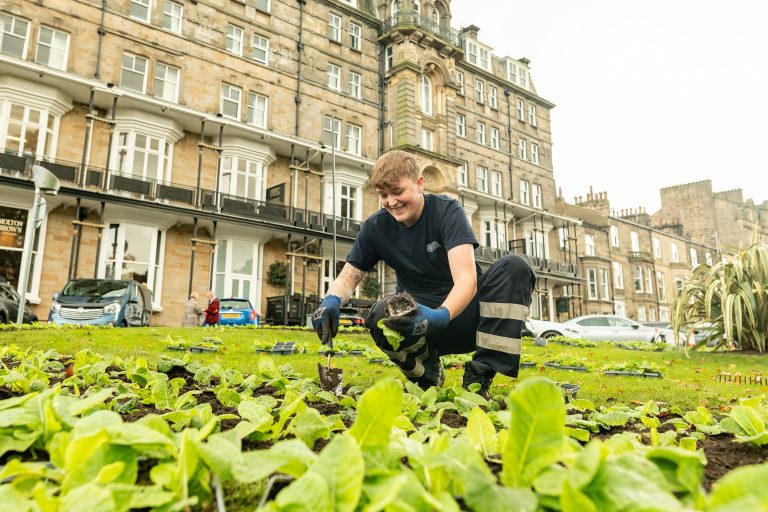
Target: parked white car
597, 328
547, 329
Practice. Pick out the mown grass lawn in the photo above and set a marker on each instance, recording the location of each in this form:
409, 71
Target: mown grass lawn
689, 379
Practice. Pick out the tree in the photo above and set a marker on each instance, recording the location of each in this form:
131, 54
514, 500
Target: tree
732, 295
370, 286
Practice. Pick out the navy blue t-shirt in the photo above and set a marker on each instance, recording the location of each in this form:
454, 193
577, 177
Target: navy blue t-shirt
418, 254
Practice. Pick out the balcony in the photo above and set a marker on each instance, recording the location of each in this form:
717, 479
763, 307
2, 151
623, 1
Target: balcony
407, 22
152, 191
490, 255
640, 256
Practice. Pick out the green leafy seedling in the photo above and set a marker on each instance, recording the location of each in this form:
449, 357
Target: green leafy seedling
393, 337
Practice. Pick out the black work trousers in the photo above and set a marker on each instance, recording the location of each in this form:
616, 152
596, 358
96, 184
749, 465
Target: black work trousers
490, 326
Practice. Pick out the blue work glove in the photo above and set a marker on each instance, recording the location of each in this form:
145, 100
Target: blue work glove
325, 319
423, 321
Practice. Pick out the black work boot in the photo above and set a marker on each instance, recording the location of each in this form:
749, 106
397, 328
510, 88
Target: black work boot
475, 372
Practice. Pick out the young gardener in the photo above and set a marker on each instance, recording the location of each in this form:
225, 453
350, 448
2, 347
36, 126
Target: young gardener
429, 243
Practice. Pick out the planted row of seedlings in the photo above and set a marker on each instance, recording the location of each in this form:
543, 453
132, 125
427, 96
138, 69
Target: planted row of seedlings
105, 433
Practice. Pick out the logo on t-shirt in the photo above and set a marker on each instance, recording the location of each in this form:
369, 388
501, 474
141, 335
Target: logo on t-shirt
433, 246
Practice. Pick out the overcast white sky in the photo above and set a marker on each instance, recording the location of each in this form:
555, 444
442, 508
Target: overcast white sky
649, 94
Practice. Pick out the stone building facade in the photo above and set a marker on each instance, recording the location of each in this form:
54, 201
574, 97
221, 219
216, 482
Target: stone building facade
199, 142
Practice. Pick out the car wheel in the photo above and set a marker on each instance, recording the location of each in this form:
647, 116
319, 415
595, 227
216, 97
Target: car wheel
550, 334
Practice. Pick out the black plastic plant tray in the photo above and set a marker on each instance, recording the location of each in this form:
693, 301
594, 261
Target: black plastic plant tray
198, 350
528, 364
655, 375
284, 348
171, 347
565, 367
570, 390
356, 352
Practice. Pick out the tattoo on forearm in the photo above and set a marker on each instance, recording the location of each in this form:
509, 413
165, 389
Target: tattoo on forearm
346, 282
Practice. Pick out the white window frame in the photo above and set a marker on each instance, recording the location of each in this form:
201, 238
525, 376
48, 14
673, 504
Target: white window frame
425, 94
604, 288
173, 16
694, 257
641, 313
46, 127
462, 174
618, 275
493, 97
427, 140
14, 34
494, 137
332, 128
675, 253
478, 55
656, 242
127, 150
263, 5
228, 96
479, 91
524, 192
258, 109
355, 84
589, 244
140, 5
460, 81
161, 83
389, 56
522, 149
134, 59
520, 109
480, 133
638, 278
536, 195
334, 27
260, 49
534, 153
225, 278
661, 285
354, 139
708, 258
481, 179
614, 230
592, 284
648, 281
461, 125
532, 114
634, 238
349, 197
235, 40
334, 77
355, 36
496, 184
243, 177
57, 57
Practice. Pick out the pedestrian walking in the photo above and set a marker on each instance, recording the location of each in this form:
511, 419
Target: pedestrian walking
193, 312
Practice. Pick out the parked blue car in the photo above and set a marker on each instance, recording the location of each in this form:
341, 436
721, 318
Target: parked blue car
237, 311
122, 303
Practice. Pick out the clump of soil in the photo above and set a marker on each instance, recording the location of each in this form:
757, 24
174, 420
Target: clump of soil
724, 454
400, 304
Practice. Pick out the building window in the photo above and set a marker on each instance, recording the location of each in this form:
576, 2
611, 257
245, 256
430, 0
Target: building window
260, 47
172, 16
334, 77
562, 235
13, 39
661, 286
656, 248
481, 179
334, 27
618, 275
426, 95
354, 138
132, 251
694, 258
501, 235
638, 278
614, 236
648, 281
534, 153
262, 5
348, 199
462, 174
520, 109
241, 177
388, 58
257, 110
532, 114
140, 9
27, 130
592, 283
461, 125
675, 253
142, 156
460, 81
708, 258
166, 82
634, 241
494, 138
589, 244
480, 133
641, 314
230, 101
237, 269
493, 97
332, 132
536, 195
479, 90
522, 151
427, 140
678, 284
524, 192
52, 48
604, 284
478, 56
235, 40
355, 84
355, 36
496, 183
487, 236
134, 73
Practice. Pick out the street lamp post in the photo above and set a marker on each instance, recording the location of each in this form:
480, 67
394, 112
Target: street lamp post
46, 183
333, 190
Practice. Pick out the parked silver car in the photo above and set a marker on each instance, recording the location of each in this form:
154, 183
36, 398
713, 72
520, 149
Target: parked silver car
609, 328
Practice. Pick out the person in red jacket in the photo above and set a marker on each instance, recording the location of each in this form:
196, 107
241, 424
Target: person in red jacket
212, 311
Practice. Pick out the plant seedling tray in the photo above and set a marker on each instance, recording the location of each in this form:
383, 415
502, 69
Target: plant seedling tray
528, 364
356, 352
570, 390
655, 375
284, 348
566, 367
199, 350
180, 349
377, 360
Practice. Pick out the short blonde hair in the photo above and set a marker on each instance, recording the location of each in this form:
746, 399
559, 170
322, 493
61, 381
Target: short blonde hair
393, 165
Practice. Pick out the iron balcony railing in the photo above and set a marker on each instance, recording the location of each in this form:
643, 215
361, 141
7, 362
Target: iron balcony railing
413, 20
156, 191
490, 255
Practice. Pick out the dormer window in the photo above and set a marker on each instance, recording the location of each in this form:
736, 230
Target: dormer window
517, 73
478, 55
